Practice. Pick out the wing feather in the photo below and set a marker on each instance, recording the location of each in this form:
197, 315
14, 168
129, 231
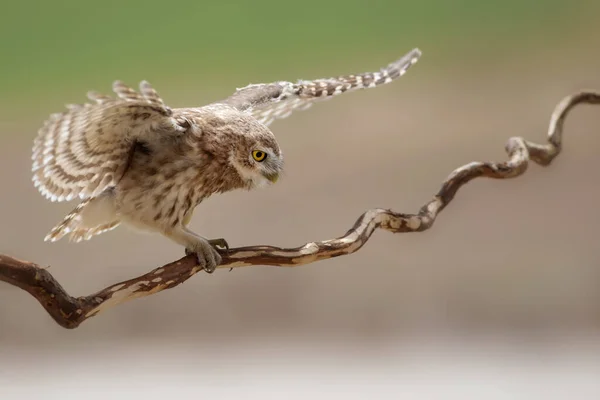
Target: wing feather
85, 149
267, 102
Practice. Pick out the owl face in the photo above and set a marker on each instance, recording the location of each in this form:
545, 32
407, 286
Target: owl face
258, 161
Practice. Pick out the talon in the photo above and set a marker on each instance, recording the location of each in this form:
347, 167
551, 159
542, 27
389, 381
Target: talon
209, 268
208, 258
222, 243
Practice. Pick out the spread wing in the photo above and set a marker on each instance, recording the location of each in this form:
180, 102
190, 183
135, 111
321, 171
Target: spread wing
270, 101
84, 150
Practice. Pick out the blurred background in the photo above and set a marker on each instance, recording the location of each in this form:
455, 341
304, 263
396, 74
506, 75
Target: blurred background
500, 299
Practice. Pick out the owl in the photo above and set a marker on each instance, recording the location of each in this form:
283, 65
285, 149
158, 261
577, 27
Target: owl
131, 159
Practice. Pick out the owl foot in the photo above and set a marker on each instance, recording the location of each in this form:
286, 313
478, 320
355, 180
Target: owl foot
207, 255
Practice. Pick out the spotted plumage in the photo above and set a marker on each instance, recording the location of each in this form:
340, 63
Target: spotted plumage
132, 159
267, 102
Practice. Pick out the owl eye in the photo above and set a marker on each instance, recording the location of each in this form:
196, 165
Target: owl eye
259, 155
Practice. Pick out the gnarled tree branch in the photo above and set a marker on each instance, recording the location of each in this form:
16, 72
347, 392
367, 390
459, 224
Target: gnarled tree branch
70, 312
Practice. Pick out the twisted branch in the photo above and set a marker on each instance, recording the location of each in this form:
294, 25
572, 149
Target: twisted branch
70, 312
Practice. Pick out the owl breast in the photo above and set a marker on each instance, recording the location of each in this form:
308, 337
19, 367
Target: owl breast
157, 196
161, 188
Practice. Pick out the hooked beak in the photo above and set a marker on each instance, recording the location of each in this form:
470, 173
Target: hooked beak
272, 177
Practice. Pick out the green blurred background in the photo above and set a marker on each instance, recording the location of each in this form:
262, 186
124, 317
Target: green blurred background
56, 48
514, 261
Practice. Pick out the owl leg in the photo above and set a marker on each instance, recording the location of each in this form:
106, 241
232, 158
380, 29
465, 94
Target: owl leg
204, 249
222, 243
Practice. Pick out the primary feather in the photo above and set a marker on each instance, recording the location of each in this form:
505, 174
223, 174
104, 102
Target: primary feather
271, 101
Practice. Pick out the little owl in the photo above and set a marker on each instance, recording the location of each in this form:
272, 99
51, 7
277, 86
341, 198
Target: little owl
133, 160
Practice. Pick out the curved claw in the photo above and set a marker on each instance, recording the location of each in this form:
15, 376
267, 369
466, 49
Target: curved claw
219, 243
208, 257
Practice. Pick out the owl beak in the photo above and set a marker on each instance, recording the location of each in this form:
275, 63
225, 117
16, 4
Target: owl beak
272, 177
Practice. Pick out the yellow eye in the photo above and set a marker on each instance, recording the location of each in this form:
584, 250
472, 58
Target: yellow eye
259, 155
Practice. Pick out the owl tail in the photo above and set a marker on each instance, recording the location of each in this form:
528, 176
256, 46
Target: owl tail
91, 217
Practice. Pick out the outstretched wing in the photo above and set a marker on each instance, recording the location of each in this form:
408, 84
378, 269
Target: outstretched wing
270, 101
86, 149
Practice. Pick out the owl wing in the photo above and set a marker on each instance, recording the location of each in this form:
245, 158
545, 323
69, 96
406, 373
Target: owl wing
85, 149
270, 101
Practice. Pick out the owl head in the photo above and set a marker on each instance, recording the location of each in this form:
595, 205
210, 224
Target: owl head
257, 158
247, 146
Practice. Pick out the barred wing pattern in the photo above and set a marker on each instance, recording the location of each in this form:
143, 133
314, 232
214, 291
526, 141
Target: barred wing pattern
85, 149
267, 102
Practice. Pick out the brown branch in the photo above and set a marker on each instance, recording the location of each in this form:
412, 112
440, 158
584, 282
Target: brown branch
70, 312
